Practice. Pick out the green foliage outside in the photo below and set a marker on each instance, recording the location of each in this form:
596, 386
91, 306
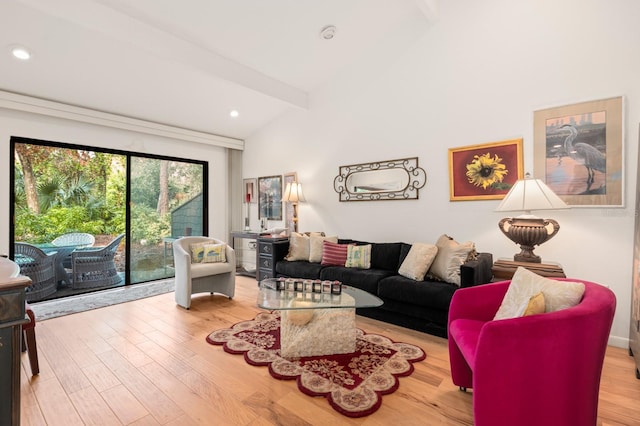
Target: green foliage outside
85, 191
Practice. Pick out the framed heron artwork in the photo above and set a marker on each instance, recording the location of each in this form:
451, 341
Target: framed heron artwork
578, 152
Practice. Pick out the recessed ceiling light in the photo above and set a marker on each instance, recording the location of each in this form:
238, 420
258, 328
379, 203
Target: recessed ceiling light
328, 32
234, 113
20, 53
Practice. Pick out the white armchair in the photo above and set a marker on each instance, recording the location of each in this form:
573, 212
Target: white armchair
194, 278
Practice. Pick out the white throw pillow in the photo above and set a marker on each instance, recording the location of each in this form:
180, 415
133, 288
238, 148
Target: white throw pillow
526, 284
418, 261
298, 247
315, 247
451, 255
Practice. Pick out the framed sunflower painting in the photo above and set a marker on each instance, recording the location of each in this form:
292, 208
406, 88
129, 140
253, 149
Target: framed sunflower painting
485, 171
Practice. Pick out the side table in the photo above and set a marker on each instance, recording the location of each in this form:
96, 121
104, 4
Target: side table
246, 252
270, 249
503, 269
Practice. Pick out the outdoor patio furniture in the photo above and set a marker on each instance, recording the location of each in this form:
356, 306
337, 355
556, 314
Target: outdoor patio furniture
39, 266
69, 242
95, 267
77, 239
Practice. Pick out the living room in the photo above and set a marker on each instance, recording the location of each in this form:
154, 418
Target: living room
449, 74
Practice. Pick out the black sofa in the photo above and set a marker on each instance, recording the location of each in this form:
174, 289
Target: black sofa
418, 305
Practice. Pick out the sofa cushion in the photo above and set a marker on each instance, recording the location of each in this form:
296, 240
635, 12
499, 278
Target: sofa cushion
205, 269
214, 253
197, 251
385, 256
315, 247
364, 279
299, 269
358, 256
535, 305
451, 255
333, 253
298, 247
525, 284
430, 294
417, 262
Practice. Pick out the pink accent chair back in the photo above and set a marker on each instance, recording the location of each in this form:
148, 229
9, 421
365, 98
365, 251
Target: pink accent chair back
537, 370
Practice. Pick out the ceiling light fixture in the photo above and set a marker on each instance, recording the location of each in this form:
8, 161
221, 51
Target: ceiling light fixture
20, 53
328, 32
234, 113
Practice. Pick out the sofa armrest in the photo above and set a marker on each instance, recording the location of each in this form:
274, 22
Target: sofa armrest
280, 254
478, 271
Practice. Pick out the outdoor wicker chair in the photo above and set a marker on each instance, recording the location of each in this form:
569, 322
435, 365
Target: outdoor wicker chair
95, 267
39, 266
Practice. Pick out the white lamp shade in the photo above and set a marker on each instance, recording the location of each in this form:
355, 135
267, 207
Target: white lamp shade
530, 194
293, 193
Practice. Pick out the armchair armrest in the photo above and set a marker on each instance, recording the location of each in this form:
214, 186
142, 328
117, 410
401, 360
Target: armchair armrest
230, 254
478, 303
475, 272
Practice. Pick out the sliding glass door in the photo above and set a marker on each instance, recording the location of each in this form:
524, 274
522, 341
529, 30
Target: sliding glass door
166, 203
67, 198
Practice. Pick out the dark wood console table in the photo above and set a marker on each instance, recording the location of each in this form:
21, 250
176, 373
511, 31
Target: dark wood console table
503, 269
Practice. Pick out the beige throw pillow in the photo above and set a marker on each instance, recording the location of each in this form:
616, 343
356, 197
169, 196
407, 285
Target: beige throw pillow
298, 247
451, 254
418, 261
315, 247
526, 284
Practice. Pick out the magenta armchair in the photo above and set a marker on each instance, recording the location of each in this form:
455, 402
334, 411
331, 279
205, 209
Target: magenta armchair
537, 370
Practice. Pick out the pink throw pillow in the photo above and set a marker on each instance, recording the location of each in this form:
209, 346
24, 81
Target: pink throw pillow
334, 254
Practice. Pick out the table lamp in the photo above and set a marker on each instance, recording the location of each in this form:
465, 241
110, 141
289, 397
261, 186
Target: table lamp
293, 194
528, 230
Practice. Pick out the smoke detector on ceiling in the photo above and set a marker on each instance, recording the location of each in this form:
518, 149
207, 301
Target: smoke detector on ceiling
328, 32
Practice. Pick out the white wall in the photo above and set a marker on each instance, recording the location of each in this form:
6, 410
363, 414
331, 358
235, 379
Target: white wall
474, 76
15, 123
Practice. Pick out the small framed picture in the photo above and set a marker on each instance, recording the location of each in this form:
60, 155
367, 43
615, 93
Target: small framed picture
250, 187
270, 197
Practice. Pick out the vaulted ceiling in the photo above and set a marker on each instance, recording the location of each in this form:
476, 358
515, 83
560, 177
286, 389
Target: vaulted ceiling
188, 63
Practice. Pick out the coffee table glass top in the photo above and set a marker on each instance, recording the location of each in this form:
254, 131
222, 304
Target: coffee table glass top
349, 297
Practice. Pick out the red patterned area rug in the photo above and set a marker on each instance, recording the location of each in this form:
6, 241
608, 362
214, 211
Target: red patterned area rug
352, 383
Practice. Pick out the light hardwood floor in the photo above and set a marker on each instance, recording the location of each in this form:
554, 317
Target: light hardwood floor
147, 363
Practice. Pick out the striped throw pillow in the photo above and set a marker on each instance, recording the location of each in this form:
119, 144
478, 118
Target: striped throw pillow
334, 254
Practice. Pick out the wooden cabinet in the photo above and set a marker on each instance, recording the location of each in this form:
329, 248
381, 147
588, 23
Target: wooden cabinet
269, 250
12, 316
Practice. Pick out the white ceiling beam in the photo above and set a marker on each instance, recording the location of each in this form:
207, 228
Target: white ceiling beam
17, 102
120, 22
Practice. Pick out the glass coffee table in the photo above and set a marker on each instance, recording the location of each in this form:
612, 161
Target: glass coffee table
316, 323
